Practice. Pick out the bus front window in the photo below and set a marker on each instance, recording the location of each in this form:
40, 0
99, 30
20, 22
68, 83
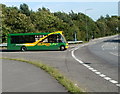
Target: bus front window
61, 39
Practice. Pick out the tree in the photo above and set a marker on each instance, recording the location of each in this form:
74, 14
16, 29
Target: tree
25, 9
107, 17
18, 22
44, 9
23, 20
45, 21
108, 25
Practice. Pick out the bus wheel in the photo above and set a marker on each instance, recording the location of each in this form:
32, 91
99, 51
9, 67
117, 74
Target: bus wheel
62, 48
23, 48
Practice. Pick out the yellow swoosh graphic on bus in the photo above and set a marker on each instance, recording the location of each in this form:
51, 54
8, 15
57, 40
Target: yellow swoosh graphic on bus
34, 43
41, 44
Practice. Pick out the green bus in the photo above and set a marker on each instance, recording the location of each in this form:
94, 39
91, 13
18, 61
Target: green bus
37, 41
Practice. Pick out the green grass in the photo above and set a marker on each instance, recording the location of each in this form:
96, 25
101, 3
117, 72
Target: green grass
68, 84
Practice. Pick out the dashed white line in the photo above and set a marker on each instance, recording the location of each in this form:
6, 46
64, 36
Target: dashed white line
102, 75
90, 68
107, 78
94, 70
98, 72
118, 85
114, 82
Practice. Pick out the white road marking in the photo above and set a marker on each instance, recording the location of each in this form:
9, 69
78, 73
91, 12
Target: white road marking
102, 47
102, 75
94, 70
109, 46
107, 78
116, 54
113, 81
90, 68
118, 85
98, 72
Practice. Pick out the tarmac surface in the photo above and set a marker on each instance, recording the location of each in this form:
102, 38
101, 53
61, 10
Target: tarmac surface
22, 77
98, 54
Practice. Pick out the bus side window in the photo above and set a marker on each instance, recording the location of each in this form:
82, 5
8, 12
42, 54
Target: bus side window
52, 38
45, 40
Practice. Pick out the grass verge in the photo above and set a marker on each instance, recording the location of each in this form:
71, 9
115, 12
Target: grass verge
68, 84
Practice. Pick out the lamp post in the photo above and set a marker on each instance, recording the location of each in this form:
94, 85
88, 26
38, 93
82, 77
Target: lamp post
86, 24
117, 29
75, 36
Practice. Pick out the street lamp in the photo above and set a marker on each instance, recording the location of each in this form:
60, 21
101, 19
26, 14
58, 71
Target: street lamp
86, 23
75, 36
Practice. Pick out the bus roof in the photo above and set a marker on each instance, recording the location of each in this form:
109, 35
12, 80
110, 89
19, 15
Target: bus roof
20, 34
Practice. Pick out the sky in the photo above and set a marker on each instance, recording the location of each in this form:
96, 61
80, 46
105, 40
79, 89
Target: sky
92, 9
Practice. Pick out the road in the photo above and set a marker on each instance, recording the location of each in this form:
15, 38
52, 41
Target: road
101, 58
22, 77
93, 66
